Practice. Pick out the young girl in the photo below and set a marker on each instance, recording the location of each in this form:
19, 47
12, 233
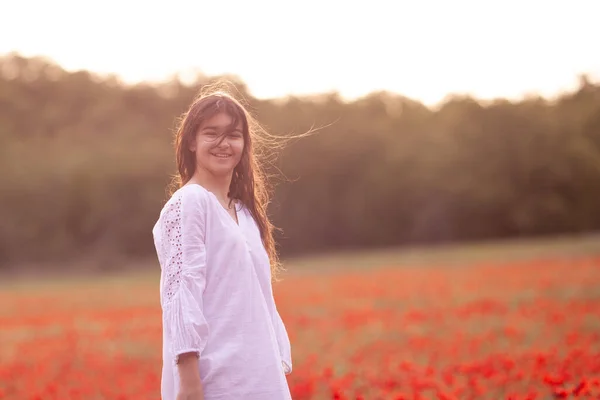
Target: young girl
223, 337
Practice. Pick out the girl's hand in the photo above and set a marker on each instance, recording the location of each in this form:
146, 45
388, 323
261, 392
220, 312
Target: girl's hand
190, 385
191, 393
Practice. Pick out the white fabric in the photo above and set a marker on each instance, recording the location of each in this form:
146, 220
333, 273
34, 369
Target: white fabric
217, 300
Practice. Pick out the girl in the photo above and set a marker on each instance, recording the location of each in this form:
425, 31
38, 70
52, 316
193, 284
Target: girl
223, 337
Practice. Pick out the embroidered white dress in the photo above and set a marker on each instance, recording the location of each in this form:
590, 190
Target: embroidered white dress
217, 300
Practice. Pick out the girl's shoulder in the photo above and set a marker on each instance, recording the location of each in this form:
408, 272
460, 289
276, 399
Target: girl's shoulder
190, 192
187, 197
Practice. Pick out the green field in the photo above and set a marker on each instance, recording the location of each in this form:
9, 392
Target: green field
441, 255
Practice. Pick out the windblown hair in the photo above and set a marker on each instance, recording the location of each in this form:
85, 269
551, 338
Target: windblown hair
249, 183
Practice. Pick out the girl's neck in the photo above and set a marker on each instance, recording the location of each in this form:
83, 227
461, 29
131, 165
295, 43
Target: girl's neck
218, 185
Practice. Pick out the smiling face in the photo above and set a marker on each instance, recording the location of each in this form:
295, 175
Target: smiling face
218, 145
215, 145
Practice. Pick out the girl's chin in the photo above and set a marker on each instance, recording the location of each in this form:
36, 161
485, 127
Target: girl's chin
222, 170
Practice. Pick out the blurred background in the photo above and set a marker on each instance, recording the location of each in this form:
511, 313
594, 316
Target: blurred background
441, 121
448, 134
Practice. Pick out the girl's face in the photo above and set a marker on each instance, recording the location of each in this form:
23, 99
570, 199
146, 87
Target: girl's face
218, 146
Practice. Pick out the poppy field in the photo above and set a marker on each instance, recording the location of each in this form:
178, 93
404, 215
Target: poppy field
480, 330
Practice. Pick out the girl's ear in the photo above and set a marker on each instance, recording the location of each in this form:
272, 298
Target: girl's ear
192, 145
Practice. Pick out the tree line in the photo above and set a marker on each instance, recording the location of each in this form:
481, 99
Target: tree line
86, 159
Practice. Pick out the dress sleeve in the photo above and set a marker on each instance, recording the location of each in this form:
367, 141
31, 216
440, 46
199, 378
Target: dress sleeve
283, 341
184, 277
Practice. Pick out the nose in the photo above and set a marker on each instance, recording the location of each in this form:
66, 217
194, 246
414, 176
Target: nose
222, 142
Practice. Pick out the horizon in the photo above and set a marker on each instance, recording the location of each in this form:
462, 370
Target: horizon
294, 55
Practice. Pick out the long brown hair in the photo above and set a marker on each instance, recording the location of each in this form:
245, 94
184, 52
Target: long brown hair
249, 183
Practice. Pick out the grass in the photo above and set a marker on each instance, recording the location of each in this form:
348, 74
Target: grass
440, 255
455, 254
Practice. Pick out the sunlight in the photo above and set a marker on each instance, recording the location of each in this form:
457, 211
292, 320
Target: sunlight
424, 50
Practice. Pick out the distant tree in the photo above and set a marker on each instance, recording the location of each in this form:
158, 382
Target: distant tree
85, 160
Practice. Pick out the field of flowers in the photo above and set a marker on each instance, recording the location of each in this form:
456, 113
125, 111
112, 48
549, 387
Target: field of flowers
519, 330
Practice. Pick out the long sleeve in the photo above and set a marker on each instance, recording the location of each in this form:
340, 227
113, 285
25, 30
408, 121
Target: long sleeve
183, 277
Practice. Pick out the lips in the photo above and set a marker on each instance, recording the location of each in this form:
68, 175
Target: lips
221, 155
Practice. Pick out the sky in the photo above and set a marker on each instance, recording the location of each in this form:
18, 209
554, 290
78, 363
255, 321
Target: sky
421, 49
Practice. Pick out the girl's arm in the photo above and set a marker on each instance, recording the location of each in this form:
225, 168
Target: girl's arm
189, 378
183, 283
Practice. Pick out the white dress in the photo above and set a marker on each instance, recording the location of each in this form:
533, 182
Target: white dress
217, 300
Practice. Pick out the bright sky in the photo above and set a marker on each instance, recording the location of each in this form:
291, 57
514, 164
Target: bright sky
423, 49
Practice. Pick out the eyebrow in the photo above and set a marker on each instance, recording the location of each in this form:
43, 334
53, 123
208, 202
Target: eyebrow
218, 127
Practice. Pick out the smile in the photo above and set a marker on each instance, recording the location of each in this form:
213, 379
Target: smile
221, 155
